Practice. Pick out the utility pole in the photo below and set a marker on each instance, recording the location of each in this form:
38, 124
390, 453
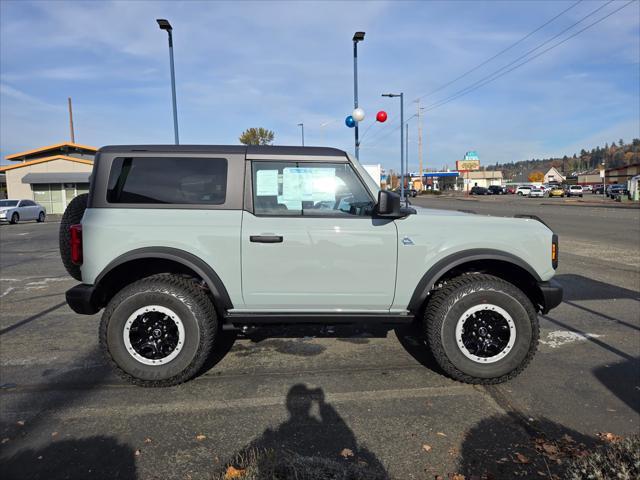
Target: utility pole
420, 140
406, 149
73, 137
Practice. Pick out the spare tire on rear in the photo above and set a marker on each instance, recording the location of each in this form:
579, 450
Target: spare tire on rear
72, 216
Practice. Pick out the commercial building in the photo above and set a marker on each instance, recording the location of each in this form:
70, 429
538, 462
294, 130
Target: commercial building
554, 176
51, 176
622, 174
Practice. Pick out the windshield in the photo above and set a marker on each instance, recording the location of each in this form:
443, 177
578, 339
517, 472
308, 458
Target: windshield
371, 184
8, 203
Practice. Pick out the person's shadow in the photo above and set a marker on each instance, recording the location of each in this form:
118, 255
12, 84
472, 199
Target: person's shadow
324, 443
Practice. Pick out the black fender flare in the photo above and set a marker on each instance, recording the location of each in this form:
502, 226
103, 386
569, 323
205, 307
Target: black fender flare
441, 267
203, 269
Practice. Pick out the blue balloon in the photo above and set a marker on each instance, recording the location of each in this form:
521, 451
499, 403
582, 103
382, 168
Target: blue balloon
350, 122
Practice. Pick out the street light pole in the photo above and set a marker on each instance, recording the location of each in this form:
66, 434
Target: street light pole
401, 95
165, 25
302, 126
357, 37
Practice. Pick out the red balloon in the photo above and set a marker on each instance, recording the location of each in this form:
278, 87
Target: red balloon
381, 116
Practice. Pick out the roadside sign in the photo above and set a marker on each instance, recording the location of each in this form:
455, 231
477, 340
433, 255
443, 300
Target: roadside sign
602, 173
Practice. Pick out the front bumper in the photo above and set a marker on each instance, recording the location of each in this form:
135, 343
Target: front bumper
551, 295
84, 299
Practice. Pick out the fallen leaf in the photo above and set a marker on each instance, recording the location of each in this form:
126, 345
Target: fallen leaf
609, 437
542, 474
346, 453
20, 423
4, 440
426, 448
147, 440
200, 437
550, 449
40, 457
233, 472
457, 476
453, 451
439, 477
441, 434
521, 458
567, 438
54, 434
137, 453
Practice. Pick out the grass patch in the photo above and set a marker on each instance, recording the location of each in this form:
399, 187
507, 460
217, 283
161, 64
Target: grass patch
619, 460
257, 464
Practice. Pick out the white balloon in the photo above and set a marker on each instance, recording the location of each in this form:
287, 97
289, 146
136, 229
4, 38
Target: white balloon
358, 114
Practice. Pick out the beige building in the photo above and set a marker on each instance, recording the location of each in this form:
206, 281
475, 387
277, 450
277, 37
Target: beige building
51, 176
554, 176
480, 178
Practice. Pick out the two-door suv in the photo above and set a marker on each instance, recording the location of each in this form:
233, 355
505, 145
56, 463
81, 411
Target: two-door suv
177, 243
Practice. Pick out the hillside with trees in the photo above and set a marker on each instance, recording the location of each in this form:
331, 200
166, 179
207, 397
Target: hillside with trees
616, 154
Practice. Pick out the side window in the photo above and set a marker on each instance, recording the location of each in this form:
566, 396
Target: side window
27, 203
308, 188
151, 180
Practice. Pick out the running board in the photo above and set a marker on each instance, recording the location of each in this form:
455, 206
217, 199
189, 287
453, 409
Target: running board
288, 318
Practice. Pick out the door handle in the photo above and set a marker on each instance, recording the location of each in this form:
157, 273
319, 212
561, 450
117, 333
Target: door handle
266, 238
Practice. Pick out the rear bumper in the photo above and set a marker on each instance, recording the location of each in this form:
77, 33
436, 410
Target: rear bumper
84, 299
551, 295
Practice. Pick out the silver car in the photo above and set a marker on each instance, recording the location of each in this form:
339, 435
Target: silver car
13, 211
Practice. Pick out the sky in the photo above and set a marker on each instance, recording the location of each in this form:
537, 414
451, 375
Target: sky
277, 64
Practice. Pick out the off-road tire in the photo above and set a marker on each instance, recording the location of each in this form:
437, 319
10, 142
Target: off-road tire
189, 301
71, 216
457, 295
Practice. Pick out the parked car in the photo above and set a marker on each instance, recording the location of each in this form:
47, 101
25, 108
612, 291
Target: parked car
479, 191
598, 189
587, 188
556, 191
510, 190
408, 192
14, 211
574, 191
496, 190
523, 190
536, 192
616, 189
286, 257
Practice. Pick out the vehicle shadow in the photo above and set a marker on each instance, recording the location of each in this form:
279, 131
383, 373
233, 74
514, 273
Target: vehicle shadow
508, 446
618, 378
308, 446
414, 341
99, 457
577, 287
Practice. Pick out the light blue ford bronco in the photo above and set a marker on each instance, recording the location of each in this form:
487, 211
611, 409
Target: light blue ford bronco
178, 243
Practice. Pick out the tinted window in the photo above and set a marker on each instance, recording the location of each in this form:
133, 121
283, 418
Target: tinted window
27, 203
168, 180
314, 189
8, 203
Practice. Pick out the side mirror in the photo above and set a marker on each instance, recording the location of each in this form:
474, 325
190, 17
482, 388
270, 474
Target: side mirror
388, 204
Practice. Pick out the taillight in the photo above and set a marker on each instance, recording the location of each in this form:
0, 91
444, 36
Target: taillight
76, 244
554, 251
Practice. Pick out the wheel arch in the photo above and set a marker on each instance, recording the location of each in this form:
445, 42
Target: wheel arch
144, 262
501, 264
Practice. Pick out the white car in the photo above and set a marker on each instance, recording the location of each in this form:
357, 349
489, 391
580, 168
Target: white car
523, 190
13, 211
536, 192
574, 191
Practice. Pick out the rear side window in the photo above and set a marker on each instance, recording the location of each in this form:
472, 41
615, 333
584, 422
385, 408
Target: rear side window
166, 180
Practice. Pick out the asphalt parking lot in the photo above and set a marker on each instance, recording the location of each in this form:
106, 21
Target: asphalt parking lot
378, 394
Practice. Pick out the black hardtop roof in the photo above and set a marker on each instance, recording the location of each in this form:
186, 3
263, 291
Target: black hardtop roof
216, 149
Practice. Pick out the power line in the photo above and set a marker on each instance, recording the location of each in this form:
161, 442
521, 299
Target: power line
390, 132
500, 53
482, 64
495, 75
